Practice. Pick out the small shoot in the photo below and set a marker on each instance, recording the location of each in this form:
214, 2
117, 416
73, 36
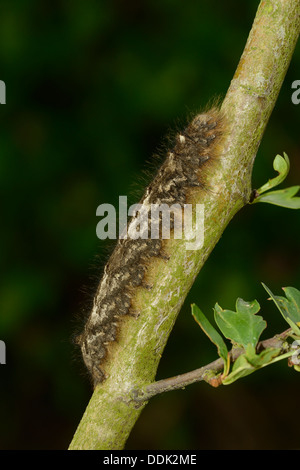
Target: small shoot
283, 197
288, 306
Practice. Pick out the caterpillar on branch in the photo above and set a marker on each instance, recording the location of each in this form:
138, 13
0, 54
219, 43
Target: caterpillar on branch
194, 149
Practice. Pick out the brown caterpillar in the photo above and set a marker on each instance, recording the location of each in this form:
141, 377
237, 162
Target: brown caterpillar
183, 169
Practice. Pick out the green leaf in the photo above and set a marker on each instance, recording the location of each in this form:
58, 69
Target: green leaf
245, 307
282, 166
213, 335
251, 354
289, 307
282, 197
291, 304
262, 359
240, 369
242, 327
250, 362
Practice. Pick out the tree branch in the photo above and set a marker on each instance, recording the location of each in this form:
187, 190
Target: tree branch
134, 359
197, 375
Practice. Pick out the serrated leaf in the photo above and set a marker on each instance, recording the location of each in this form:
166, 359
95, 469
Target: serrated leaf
289, 307
213, 335
242, 327
282, 166
282, 197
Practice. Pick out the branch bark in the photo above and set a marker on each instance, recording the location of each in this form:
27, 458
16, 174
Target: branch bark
110, 415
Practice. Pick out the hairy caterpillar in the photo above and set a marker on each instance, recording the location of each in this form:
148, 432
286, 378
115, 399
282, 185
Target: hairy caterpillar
183, 169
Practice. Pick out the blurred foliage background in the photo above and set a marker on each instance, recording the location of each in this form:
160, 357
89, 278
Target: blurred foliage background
92, 88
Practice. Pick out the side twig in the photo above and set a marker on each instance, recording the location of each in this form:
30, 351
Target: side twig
197, 375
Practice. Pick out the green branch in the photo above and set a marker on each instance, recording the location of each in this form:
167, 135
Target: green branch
110, 416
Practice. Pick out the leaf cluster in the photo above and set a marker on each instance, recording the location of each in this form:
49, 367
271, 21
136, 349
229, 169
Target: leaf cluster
243, 328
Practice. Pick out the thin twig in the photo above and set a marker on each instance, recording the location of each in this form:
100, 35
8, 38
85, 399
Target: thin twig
204, 373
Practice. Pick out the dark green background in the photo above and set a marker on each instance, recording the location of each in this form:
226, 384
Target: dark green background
92, 87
